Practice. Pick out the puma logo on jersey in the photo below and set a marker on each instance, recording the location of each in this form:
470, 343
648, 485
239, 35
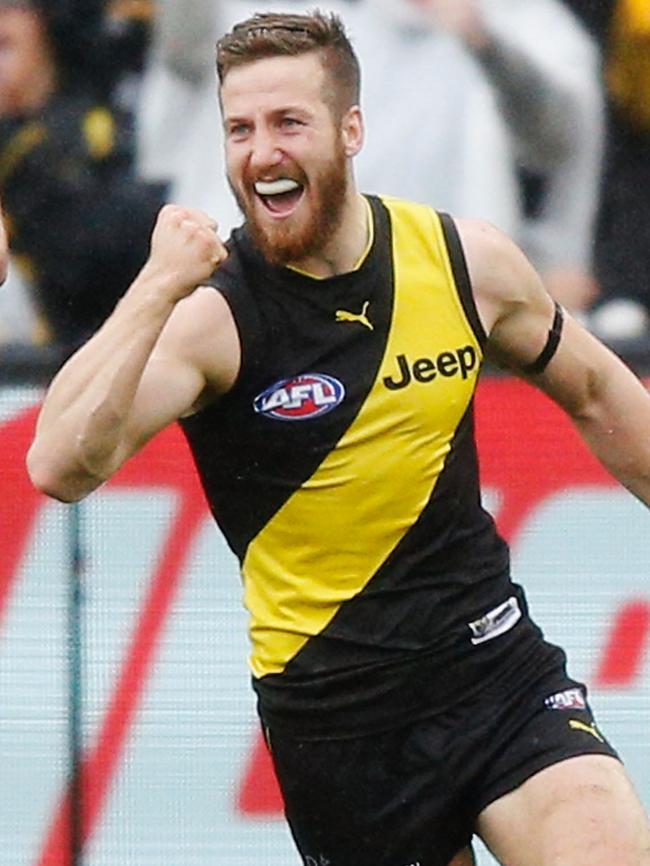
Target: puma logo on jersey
577, 725
362, 318
457, 362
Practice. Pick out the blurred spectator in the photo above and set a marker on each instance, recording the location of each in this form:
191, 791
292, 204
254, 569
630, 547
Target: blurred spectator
4, 249
16, 310
19, 323
79, 221
456, 96
98, 43
623, 230
127, 27
546, 92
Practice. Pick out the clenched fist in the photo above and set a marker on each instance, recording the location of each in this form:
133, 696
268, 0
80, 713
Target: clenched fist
185, 249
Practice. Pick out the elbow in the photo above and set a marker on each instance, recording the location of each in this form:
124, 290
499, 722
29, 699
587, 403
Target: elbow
47, 479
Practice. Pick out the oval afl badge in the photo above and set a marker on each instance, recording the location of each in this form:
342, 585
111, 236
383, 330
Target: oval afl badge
300, 397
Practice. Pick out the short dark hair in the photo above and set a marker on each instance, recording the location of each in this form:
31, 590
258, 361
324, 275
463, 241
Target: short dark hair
271, 34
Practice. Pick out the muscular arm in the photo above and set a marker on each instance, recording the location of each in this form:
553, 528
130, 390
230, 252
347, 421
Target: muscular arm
166, 346
608, 404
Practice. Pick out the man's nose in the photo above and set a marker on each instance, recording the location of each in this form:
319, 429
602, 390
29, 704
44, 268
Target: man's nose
265, 151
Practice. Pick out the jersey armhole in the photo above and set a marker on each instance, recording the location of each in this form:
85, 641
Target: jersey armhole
461, 276
232, 285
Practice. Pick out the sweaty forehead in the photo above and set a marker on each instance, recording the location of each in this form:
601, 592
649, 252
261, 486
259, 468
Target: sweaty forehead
274, 81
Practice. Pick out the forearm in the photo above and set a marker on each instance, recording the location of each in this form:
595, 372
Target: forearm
80, 432
537, 107
185, 36
616, 426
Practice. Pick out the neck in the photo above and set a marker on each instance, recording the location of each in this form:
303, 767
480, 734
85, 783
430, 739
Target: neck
344, 250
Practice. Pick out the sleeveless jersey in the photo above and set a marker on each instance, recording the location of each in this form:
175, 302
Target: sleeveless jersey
342, 470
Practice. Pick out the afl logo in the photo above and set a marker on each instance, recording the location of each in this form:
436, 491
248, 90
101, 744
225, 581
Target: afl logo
300, 397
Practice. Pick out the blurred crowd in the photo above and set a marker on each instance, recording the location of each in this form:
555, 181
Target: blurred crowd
533, 114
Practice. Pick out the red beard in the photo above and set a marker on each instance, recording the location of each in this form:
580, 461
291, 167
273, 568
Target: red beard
296, 238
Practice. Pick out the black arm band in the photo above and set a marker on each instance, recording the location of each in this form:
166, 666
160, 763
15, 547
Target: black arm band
541, 362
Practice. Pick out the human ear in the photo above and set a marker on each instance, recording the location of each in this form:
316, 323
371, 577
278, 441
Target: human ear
352, 131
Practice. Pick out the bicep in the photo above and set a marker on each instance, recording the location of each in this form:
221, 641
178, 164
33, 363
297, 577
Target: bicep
516, 311
535, 339
607, 402
196, 360
169, 388
528, 334
532, 337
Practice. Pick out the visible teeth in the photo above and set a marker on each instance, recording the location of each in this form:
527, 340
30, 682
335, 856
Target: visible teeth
276, 187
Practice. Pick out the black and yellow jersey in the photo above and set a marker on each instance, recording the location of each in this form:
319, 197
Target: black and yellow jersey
343, 472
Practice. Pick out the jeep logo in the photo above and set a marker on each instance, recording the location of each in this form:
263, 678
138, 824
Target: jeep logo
459, 362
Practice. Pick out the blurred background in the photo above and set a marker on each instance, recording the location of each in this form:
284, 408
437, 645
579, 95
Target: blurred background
127, 728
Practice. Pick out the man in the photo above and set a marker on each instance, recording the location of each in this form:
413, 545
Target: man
325, 384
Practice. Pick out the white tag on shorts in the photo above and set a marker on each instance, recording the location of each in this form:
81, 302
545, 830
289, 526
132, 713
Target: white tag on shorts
495, 622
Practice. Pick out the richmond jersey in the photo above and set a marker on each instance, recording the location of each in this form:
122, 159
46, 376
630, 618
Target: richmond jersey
342, 470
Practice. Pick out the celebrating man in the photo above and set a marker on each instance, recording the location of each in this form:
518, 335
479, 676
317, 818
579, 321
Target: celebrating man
323, 364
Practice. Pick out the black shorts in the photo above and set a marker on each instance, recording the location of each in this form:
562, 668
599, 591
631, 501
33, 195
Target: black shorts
411, 796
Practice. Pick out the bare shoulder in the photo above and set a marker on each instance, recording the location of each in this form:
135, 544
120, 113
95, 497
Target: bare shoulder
502, 278
202, 333
514, 307
527, 334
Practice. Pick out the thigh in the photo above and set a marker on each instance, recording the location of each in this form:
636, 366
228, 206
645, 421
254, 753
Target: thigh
580, 810
382, 800
536, 725
551, 790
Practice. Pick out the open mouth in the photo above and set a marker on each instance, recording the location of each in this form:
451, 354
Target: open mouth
280, 197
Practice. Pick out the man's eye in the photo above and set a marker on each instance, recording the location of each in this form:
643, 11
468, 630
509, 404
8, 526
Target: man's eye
290, 122
239, 130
